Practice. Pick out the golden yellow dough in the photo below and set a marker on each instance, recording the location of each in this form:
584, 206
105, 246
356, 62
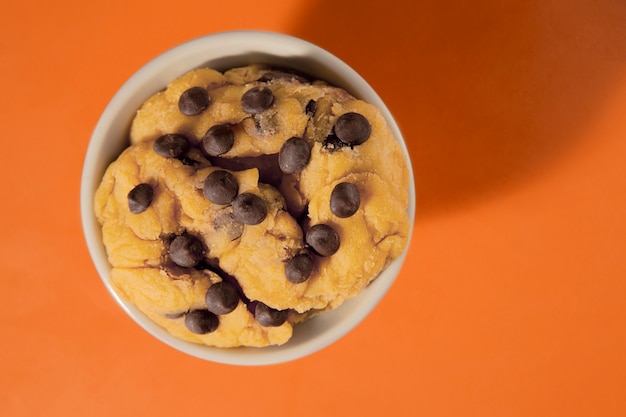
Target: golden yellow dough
253, 255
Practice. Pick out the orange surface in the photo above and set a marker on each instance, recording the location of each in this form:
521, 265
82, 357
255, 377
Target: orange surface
511, 302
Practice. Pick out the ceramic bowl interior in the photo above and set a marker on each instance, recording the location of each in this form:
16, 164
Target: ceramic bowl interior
223, 51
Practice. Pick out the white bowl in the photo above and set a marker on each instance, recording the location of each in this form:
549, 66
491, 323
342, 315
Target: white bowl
222, 51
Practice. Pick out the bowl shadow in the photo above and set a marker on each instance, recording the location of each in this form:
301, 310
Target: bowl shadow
488, 94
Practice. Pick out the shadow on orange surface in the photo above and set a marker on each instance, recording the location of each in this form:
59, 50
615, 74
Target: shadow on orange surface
487, 93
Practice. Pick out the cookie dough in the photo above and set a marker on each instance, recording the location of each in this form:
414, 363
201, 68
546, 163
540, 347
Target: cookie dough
248, 201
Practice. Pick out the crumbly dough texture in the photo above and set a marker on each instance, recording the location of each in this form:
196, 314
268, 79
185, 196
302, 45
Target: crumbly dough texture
252, 255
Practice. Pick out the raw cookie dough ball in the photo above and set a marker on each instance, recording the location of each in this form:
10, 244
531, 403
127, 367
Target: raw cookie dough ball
286, 189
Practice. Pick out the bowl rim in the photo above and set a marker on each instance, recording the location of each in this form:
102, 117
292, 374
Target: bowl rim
273, 48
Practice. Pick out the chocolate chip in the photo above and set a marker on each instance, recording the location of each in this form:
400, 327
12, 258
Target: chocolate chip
186, 250
283, 75
332, 143
299, 268
249, 208
269, 317
220, 187
193, 101
140, 198
323, 239
188, 161
353, 128
171, 145
311, 107
218, 139
222, 298
201, 321
344, 200
294, 155
257, 99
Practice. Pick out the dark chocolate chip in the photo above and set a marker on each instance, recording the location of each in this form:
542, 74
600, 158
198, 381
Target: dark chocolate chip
171, 145
140, 198
344, 200
353, 128
193, 101
220, 187
249, 208
323, 239
332, 143
299, 268
201, 321
282, 75
222, 298
186, 250
218, 139
311, 107
188, 161
269, 317
294, 155
257, 99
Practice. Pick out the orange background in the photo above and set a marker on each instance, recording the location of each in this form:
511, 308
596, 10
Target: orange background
511, 301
